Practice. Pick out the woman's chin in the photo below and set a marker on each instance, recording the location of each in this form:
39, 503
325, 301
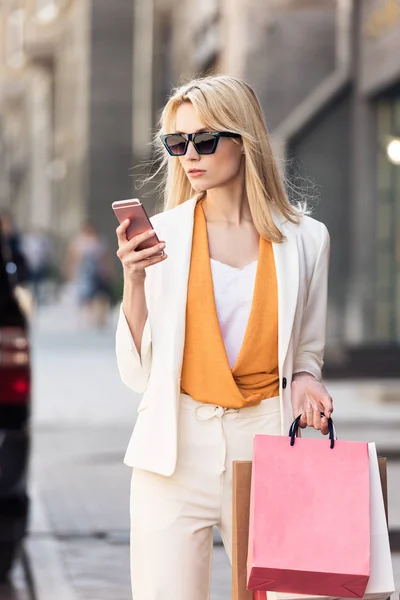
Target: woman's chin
199, 187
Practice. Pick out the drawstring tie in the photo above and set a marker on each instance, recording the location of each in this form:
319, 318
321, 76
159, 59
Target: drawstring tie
205, 412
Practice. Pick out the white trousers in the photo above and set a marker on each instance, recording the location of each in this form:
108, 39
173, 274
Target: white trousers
172, 517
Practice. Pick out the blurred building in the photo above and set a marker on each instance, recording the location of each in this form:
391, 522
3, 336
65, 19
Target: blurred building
65, 111
328, 76
344, 133
82, 83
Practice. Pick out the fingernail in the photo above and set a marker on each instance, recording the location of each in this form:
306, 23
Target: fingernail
151, 232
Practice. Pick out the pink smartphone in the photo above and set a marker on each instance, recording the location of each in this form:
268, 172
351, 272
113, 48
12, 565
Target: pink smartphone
134, 210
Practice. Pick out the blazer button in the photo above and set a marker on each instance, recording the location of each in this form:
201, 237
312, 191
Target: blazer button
284, 382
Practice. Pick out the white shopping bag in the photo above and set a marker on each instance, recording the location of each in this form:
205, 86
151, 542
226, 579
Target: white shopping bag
381, 584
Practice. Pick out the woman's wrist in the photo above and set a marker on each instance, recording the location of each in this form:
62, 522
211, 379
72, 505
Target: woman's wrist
135, 309
134, 280
302, 374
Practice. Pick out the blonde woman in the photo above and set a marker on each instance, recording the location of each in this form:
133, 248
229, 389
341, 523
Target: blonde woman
224, 334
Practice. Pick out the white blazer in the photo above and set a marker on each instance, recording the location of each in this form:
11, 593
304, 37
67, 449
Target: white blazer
302, 272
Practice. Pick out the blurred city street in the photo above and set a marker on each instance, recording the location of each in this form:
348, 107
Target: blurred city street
83, 415
310, 92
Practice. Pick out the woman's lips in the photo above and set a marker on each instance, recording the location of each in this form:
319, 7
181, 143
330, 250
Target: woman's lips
195, 173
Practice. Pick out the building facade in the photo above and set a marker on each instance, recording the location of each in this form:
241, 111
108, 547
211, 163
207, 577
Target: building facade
374, 308
345, 136
328, 75
82, 84
65, 112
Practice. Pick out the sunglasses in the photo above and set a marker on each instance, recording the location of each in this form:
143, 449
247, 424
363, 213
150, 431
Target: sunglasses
204, 142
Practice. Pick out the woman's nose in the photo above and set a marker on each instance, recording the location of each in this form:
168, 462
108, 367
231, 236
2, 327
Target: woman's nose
191, 152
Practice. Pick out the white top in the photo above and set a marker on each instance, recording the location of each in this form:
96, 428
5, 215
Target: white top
233, 293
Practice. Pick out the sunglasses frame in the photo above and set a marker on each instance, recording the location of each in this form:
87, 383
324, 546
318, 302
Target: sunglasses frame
190, 136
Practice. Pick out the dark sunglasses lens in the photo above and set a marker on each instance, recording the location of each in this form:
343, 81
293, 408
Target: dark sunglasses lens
176, 144
205, 143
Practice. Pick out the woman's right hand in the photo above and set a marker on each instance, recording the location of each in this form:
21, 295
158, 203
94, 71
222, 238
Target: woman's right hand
135, 262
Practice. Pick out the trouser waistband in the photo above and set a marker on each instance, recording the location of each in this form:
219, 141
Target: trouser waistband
204, 411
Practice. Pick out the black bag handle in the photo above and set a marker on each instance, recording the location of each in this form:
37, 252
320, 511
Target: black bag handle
295, 426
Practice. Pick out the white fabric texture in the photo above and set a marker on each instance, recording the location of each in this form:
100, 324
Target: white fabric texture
233, 293
172, 517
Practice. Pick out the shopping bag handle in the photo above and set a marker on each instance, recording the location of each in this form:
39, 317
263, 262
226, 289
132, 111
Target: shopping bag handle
295, 427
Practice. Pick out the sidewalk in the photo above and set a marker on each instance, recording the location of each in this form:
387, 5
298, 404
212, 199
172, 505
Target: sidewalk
81, 517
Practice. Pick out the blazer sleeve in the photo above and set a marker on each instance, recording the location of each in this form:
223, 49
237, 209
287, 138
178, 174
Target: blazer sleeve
310, 351
134, 368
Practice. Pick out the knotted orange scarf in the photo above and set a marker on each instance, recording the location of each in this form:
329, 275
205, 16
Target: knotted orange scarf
206, 374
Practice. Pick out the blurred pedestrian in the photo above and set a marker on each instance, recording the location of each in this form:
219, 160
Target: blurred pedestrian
89, 267
38, 252
225, 335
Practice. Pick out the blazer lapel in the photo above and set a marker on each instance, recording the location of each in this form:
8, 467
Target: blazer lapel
287, 273
178, 235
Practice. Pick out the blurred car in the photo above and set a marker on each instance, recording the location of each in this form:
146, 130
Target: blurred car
15, 398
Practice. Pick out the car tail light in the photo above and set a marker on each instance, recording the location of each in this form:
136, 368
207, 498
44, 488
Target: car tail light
15, 381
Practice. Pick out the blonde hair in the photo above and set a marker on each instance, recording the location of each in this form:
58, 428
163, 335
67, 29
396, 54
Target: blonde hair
226, 103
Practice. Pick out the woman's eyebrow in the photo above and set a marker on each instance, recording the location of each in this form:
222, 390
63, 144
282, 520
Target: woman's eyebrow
197, 131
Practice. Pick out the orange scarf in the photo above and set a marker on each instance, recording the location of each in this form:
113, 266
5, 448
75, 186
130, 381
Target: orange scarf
206, 374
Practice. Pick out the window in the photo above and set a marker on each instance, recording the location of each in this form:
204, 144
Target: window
387, 316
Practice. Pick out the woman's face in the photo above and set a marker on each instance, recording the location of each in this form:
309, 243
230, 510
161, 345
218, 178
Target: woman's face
207, 171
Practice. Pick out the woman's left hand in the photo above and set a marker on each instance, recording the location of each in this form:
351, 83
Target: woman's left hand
310, 398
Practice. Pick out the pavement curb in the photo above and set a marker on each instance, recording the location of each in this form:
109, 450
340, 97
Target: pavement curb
41, 557
44, 571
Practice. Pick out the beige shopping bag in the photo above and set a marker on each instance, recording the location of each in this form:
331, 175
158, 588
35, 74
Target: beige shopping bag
240, 531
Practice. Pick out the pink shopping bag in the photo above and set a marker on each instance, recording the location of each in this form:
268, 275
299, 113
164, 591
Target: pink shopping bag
309, 529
